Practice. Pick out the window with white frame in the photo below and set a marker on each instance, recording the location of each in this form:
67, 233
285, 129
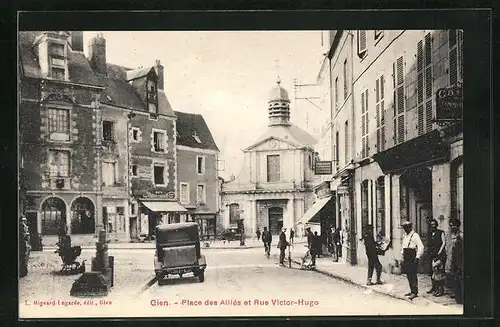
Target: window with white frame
273, 168
108, 133
184, 193
200, 165
201, 194
59, 127
361, 43
59, 163
135, 134
159, 174
159, 141
109, 173
196, 137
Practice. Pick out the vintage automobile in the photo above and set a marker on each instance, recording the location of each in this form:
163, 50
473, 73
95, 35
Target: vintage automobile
231, 234
178, 251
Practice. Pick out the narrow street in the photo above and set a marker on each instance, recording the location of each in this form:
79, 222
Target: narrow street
232, 277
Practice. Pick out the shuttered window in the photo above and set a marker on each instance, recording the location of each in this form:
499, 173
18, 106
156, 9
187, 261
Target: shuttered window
346, 142
399, 101
364, 124
273, 168
380, 113
346, 88
424, 85
361, 43
455, 44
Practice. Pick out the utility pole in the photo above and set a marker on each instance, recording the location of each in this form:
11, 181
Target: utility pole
296, 86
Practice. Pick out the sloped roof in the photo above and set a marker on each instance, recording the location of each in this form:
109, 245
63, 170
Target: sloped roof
120, 93
78, 66
194, 124
164, 106
292, 134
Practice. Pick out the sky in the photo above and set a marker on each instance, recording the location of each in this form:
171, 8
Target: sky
226, 76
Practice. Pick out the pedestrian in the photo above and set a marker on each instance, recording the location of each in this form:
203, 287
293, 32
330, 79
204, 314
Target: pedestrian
435, 249
315, 246
267, 239
412, 249
258, 233
337, 244
456, 264
292, 235
372, 255
282, 245
310, 236
438, 275
329, 240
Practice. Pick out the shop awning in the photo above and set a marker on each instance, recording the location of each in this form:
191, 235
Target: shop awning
311, 213
164, 206
421, 150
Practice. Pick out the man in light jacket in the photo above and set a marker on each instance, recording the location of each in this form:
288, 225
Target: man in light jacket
412, 249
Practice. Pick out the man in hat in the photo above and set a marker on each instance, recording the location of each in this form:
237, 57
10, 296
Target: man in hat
372, 255
412, 249
282, 245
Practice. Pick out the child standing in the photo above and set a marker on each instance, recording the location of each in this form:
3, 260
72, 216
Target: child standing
438, 276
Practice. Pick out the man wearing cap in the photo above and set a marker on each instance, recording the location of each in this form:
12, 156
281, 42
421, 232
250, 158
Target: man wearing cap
282, 245
412, 249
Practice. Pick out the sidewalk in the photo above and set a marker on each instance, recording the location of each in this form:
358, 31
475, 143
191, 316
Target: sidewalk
50, 244
394, 285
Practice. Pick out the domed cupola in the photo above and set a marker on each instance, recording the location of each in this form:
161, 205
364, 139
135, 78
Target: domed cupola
278, 106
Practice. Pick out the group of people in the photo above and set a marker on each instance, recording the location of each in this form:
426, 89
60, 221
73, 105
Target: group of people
283, 243
412, 251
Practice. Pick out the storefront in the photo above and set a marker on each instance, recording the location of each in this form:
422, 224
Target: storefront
154, 213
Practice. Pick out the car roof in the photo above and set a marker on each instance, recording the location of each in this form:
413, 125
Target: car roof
177, 226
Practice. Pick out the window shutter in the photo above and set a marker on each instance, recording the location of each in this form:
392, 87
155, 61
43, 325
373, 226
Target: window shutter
361, 42
453, 66
382, 113
420, 87
400, 69
366, 110
428, 115
382, 87
377, 90
460, 53
382, 136
363, 102
377, 115
401, 128
452, 38
420, 56
379, 137
420, 120
401, 99
428, 82
428, 49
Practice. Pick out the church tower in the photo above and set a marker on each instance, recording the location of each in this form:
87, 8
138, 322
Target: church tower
278, 106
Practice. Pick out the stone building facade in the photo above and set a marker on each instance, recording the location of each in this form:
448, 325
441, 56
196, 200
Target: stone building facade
397, 162
97, 140
197, 165
274, 187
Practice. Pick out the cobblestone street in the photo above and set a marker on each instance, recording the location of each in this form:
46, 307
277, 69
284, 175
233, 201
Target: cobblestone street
233, 276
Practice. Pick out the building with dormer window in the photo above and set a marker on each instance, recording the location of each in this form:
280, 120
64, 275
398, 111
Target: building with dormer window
97, 141
274, 187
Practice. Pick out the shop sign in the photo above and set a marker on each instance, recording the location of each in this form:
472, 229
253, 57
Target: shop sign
449, 103
323, 168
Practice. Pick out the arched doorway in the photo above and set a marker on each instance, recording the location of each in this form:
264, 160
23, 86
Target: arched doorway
82, 216
53, 215
275, 219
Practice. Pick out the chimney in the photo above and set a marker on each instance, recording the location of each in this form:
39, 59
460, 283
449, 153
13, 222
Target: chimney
159, 71
97, 54
76, 41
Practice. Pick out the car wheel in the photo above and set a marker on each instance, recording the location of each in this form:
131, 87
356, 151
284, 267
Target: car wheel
201, 276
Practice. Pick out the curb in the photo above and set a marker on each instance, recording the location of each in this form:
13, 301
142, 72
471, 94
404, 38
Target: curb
350, 281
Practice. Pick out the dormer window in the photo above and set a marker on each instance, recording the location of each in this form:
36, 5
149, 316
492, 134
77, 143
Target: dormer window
152, 96
57, 60
196, 137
